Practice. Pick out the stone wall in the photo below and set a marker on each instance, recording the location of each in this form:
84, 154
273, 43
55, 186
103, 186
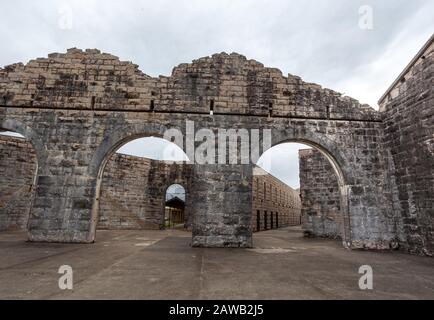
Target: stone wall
18, 167
275, 204
92, 80
320, 196
77, 107
408, 112
134, 191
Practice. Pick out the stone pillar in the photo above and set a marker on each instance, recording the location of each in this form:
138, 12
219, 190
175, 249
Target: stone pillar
221, 206
63, 199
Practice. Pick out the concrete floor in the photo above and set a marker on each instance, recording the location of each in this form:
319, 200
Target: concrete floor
161, 265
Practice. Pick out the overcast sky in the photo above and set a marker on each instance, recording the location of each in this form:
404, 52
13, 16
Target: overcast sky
319, 40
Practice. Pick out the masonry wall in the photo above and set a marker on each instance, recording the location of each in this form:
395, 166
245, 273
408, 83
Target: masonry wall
78, 106
320, 196
275, 204
18, 167
408, 112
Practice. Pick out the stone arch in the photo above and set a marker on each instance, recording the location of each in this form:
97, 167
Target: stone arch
112, 142
340, 166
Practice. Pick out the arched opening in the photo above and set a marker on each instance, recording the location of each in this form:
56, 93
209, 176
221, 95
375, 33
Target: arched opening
175, 216
132, 184
303, 188
18, 175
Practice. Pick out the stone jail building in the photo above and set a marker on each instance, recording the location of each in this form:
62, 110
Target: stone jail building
275, 204
77, 108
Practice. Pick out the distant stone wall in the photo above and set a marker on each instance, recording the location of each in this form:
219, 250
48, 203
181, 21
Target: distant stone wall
408, 111
17, 174
134, 190
275, 204
320, 197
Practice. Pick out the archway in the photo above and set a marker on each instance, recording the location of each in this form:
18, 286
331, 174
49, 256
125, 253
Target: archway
175, 216
132, 182
318, 193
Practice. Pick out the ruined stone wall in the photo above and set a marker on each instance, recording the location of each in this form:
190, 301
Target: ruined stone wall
276, 204
230, 83
77, 107
408, 112
18, 167
320, 196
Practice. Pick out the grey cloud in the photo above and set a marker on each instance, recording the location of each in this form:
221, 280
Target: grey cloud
317, 40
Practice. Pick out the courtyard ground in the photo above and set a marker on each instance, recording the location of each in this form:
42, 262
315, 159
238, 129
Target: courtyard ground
162, 265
